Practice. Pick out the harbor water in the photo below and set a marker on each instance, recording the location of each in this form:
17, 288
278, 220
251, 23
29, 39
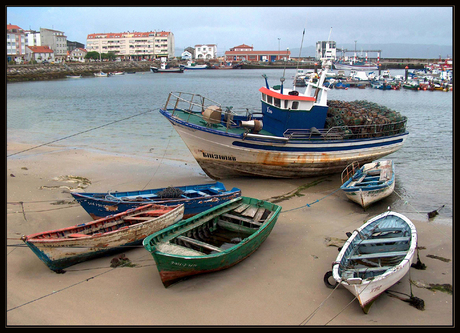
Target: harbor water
119, 115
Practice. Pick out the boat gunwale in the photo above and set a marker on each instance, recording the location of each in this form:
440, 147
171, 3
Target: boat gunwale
370, 187
276, 139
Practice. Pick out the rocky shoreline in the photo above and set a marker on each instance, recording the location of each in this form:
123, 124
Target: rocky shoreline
39, 72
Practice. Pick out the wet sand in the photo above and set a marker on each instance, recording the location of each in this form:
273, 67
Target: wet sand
280, 284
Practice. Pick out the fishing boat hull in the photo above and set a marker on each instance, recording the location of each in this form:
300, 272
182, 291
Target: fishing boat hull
393, 247
224, 155
375, 183
176, 265
166, 70
62, 248
196, 199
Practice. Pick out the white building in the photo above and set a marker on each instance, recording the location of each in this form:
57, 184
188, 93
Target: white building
326, 50
33, 38
77, 54
56, 40
39, 54
206, 51
133, 45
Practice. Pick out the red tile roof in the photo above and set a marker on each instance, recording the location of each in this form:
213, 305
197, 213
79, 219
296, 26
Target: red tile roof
40, 49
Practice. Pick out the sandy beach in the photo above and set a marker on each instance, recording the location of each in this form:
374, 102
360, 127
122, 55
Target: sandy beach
280, 284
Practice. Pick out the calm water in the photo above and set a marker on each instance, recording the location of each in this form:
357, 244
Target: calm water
40, 112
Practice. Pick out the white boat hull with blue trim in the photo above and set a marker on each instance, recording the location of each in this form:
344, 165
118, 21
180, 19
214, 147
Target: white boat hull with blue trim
375, 257
223, 155
370, 183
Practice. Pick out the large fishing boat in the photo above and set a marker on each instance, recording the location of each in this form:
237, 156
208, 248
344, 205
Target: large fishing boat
295, 134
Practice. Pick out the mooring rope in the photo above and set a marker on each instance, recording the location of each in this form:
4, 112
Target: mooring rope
82, 132
311, 203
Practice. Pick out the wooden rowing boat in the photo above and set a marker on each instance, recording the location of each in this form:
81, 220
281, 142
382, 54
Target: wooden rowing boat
196, 198
376, 256
65, 247
370, 183
212, 240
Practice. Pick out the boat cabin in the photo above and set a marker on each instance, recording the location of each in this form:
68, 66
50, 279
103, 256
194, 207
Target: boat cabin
285, 109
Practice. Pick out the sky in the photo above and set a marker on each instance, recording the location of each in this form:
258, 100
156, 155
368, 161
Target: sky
265, 28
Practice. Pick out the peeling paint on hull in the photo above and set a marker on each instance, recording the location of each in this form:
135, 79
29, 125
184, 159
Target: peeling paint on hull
60, 250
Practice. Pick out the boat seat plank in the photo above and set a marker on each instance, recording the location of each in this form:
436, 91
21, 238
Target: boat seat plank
241, 208
236, 217
384, 240
250, 211
235, 227
370, 269
199, 243
259, 214
378, 255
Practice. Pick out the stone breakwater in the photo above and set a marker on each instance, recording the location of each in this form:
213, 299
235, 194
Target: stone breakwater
17, 73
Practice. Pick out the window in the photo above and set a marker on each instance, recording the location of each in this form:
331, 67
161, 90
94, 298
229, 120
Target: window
269, 99
295, 105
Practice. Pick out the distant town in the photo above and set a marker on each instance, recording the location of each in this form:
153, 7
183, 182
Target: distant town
49, 45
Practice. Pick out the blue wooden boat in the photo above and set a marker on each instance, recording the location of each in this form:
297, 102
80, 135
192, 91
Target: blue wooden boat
196, 198
370, 183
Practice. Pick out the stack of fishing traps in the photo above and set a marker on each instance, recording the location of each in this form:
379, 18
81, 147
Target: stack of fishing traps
361, 119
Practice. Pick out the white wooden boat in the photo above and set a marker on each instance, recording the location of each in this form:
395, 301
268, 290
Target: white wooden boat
64, 247
370, 183
101, 74
375, 257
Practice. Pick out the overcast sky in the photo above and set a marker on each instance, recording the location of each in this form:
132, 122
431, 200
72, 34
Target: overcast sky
266, 28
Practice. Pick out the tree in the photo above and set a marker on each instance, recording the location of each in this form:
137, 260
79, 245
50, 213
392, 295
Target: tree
92, 55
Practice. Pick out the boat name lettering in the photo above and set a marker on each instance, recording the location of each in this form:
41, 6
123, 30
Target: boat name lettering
219, 157
182, 264
376, 289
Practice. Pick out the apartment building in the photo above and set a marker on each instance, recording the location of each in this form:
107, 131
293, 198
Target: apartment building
56, 40
133, 45
15, 43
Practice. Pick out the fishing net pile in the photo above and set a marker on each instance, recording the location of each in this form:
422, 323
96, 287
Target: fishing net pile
364, 119
170, 192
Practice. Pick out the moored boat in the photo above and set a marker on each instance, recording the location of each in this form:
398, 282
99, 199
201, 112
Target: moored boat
62, 248
193, 66
166, 69
375, 257
196, 198
370, 183
101, 74
213, 240
289, 138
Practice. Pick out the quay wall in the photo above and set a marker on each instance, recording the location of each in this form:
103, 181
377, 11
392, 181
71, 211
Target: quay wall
16, 73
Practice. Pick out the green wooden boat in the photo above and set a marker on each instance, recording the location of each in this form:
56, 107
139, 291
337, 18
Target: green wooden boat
213, 240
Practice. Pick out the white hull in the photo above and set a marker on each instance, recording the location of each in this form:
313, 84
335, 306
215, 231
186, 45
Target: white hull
222, 155
366, 198
355, 67
368, 289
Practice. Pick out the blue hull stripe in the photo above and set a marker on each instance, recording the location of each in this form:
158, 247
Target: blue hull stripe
316, 149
